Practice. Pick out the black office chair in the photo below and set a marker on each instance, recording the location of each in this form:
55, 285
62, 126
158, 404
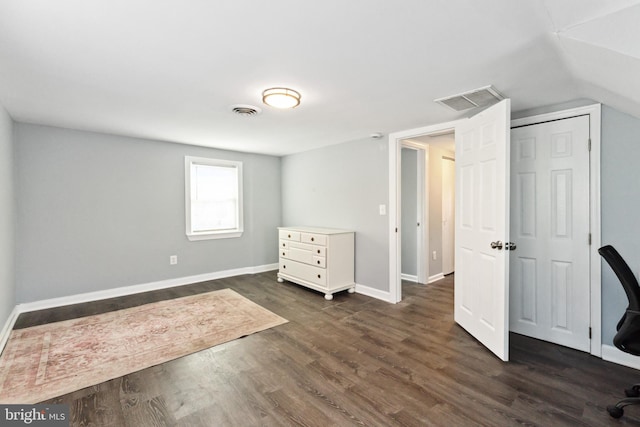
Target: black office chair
628, 337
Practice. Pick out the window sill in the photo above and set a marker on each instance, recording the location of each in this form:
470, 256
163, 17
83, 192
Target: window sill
209, 236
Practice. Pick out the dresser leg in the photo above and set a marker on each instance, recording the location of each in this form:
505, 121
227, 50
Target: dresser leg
280, 280
352, 290
328, 297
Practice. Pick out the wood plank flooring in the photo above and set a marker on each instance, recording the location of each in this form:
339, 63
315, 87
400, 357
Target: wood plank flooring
351, 361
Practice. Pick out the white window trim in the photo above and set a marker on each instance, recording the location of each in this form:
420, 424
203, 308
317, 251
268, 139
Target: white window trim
206, 235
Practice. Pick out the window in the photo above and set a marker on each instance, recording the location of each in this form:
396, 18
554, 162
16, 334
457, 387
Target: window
213, 191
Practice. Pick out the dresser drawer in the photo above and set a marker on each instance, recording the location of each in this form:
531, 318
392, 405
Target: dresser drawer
306, 272
316, 239
320, 261
289, 235
320, 251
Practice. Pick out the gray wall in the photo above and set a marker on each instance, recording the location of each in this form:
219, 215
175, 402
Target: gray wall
341, 186
7, 218
620, 187
97, 211
409, 210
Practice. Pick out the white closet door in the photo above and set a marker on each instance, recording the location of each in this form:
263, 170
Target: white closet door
550, 296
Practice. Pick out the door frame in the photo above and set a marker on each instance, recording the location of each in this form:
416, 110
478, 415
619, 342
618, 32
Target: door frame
395, 145
594, 112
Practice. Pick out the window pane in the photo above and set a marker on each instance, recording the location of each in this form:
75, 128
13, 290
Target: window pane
214, 198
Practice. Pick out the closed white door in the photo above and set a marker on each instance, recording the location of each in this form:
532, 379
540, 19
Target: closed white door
549, 271
481, 293
448, 215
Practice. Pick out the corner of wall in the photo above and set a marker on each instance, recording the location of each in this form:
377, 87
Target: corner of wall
7, 217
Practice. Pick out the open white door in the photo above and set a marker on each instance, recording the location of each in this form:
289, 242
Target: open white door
481, 296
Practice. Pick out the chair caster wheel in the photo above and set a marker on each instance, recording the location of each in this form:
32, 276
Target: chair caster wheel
632, 392
615, 412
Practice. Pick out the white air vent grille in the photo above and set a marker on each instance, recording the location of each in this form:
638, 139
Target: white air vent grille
481, 97
245, 110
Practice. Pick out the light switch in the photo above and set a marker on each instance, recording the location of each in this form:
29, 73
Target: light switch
383, 209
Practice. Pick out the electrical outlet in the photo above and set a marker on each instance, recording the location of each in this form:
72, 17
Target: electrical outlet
173, 259
382, 209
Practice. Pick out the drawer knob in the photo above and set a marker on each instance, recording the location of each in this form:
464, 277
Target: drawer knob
289, 236
318, 261
283, 245
318, 276
318, 250
283, 253
284, 266
312, 239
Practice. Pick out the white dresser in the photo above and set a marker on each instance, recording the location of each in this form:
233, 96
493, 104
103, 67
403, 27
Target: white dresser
318, 258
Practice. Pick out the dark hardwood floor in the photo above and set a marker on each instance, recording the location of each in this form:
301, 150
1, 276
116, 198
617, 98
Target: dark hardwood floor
351, 361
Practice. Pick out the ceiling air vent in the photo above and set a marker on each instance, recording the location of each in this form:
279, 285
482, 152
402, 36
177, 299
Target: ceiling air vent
475, 98
245, 110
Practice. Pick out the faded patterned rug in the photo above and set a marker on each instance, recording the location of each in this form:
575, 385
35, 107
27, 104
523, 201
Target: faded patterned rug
47, 361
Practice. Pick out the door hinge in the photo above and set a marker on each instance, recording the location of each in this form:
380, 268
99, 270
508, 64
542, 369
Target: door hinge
589, 144
589, 239
396, 229
589, 332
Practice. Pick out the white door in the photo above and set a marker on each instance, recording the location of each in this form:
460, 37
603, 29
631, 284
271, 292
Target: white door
550, 287
448, 215
481, 294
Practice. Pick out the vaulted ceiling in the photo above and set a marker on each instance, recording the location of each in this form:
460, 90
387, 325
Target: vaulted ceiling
171, 70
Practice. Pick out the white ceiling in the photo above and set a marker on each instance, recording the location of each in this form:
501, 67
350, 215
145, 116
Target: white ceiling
170, 69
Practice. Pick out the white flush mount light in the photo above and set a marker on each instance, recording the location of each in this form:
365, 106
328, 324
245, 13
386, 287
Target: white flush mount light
281, 97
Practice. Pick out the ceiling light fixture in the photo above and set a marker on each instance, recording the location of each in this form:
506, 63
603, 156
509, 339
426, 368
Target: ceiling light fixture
281, 97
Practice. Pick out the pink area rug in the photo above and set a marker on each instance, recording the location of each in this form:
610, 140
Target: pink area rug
47, 361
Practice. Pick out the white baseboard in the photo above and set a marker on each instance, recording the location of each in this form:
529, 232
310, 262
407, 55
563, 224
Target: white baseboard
136, 289
373, 293
8, 327
409, 277
612, 354
414, 279
435, 278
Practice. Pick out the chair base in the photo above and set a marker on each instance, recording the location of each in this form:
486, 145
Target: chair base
633, 398
634, 391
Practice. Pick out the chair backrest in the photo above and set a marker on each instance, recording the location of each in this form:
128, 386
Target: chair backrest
625, 275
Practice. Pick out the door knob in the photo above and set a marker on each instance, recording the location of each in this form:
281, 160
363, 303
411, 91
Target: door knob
510, 246
496, 245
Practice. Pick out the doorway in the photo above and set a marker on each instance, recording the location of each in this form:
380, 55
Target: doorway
593, 111
427, 198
